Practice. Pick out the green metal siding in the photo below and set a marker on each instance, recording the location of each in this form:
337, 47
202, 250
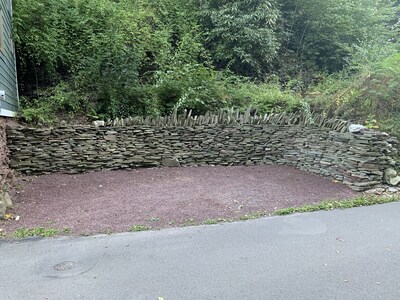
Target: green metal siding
8, 76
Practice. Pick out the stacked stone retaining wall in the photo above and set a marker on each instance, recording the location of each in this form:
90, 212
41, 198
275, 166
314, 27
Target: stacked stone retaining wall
358, 160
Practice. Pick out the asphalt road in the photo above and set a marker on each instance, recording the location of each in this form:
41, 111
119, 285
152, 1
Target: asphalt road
349, 254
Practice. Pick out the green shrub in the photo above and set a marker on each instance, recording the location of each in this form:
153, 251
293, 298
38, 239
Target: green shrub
39, 115
52, 103
369, 97
266, 98
191, 86
202, 89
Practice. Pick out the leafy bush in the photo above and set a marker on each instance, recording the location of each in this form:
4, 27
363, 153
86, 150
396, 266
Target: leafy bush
131, 101
38, 115
241, 34
202, 89
265, 97
370, 97
324, 33
52, 103
193, 87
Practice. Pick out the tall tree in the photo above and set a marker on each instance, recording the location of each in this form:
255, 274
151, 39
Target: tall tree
240, 34
324, 31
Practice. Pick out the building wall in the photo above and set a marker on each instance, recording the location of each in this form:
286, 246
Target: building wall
358, 160
8, 77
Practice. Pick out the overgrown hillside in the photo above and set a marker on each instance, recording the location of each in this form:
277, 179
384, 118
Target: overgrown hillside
370, 96
80, 60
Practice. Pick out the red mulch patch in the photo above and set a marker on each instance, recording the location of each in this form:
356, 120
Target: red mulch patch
113, 201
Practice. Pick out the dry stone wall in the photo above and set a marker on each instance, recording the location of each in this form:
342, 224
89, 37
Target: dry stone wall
358, 160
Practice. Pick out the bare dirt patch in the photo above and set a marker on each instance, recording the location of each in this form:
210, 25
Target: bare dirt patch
114, 201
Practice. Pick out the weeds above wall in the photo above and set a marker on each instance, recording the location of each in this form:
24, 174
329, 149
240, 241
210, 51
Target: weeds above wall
144, 58
53, 104
370, 97
200, 91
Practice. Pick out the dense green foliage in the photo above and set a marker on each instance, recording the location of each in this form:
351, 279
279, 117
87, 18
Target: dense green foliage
323, 32
105, 58
371, 96
241, 34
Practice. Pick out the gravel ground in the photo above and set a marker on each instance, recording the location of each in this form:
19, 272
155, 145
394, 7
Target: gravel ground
113, 201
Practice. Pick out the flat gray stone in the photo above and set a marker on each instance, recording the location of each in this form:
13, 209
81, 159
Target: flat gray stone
357, 128
5, 197
391, 177
99, 123
110, 137
2, 210
377, 191
170, 162
394, 181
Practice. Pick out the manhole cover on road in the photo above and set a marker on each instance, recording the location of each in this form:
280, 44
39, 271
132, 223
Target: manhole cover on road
64, 266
